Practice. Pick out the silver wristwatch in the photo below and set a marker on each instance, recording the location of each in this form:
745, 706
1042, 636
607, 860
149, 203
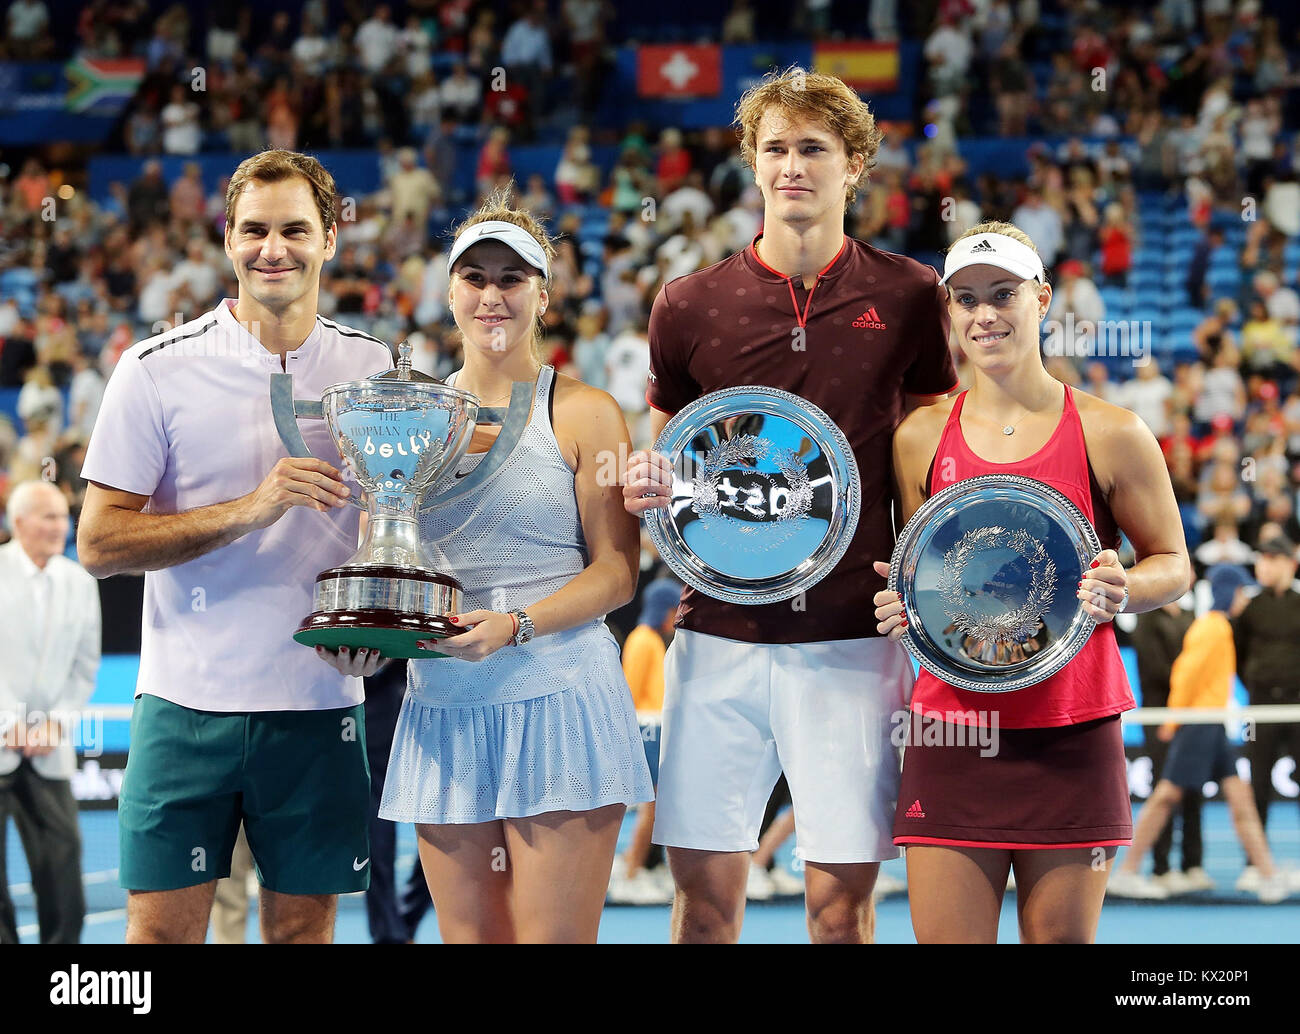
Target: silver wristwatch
526, 630
1123, 603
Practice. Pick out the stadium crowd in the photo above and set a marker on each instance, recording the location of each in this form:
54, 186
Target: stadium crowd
1181, 110
1171, 208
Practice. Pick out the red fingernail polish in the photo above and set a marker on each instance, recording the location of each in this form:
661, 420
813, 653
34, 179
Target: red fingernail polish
1096, 563
455, 621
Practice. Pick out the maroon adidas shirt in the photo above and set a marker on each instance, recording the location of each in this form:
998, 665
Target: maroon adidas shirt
875, 327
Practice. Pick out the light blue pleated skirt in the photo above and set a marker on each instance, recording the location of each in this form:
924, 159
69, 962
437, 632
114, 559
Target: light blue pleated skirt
573, 750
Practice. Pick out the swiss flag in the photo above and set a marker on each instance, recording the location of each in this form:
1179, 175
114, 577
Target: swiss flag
678, 71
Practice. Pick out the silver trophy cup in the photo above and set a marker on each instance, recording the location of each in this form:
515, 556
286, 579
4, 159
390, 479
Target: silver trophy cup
398, 432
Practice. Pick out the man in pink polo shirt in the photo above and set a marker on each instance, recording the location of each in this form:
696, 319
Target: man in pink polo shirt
189, 482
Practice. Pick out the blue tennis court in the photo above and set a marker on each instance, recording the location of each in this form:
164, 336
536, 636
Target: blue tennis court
1221, 916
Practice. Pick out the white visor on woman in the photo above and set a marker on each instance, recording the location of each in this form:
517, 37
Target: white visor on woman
993, 249
517, 239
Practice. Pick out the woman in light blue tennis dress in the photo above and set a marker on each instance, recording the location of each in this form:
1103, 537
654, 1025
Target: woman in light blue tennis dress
516, 757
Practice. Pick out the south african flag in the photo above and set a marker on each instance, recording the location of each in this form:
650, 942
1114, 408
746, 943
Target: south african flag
102, 86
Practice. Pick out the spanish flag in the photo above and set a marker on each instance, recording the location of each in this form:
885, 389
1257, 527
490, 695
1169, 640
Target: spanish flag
862, 65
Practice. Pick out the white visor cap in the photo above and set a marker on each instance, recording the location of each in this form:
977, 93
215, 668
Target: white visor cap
994, 249
517, 239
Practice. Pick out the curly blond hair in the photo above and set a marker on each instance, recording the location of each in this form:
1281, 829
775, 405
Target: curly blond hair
818, 98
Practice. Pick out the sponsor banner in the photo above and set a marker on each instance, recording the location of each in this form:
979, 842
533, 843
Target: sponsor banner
76, 102
1142, 776
97, 783
742, 66
99, 87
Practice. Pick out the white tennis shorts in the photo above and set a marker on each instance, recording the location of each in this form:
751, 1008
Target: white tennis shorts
737, 714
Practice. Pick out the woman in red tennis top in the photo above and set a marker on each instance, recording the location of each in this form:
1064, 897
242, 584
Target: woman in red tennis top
1041, 787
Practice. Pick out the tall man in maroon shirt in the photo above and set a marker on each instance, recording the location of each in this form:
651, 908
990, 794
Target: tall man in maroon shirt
807, 685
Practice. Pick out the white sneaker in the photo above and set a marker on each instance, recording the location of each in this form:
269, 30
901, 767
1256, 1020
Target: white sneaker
1249, 880
785, 883
663, 878
1274, 888
1174, 882
641, 889
617, 881
1197, 879
759, 885
887, 885
1125, 884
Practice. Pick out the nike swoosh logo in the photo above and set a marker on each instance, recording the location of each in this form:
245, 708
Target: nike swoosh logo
465, 475
358, 866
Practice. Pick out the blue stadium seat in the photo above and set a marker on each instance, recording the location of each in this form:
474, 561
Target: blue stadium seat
1149, 315
9, 407
1224, 279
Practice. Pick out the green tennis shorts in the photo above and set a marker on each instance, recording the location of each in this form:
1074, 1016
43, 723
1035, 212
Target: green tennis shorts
298, 780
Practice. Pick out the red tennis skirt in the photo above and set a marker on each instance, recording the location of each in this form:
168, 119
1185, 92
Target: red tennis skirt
1029, 788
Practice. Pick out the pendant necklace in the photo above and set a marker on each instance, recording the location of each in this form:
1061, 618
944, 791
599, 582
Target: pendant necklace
1011, 428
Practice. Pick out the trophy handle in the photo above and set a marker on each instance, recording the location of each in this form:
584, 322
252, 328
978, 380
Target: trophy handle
287, 411
513, 420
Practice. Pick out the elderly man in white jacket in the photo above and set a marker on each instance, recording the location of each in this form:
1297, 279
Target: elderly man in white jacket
50, 641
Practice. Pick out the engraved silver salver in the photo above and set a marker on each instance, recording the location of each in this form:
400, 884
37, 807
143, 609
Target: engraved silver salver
765, 495
988, 570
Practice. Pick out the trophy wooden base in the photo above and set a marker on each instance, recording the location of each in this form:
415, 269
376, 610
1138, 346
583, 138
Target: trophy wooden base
390, 632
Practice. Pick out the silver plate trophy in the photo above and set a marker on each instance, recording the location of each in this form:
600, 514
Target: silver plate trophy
397, 432
765, 495
988, 570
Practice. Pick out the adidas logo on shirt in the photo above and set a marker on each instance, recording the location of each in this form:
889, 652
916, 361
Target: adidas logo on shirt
915, 812
984, 245
870, 320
